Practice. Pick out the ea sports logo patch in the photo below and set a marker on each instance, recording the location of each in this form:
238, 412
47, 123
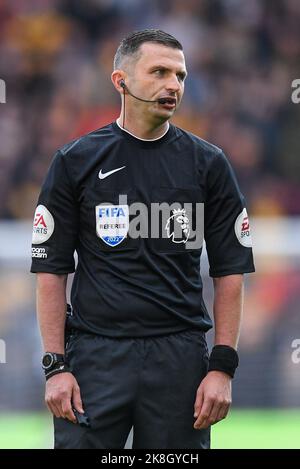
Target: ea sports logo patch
43, 225
112, 223
242, 229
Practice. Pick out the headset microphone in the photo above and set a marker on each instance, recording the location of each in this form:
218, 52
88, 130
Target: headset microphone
159, 100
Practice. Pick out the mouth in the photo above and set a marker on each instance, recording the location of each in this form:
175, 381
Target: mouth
167, 102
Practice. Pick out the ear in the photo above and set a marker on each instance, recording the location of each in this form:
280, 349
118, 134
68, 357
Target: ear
117, 77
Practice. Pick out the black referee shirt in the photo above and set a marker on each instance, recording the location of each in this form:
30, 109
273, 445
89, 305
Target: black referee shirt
139, 286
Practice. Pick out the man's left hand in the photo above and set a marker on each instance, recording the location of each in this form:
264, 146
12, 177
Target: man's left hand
213, 399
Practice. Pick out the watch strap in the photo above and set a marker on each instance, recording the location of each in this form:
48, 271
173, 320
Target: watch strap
60, 368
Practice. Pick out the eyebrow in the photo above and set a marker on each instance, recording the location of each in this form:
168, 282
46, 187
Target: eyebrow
163, 67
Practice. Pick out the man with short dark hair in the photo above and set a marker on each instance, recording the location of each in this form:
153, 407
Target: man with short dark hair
135, 352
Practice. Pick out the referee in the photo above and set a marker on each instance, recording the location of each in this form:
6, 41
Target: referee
130, 350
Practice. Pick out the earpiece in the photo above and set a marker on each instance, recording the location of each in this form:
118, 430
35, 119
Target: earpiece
122, 83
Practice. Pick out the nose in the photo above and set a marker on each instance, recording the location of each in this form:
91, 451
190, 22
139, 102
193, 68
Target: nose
173, 84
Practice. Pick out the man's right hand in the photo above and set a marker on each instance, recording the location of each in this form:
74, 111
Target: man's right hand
62, 391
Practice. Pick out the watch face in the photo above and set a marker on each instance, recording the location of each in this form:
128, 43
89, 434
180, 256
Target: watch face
47, 361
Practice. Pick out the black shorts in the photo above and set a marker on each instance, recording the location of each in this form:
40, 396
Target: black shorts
149, 384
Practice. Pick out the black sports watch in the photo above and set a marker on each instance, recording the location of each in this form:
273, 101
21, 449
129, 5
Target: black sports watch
51, 360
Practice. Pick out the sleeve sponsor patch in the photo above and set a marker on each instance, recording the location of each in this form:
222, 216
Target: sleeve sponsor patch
40, 253
242, 229
43, 225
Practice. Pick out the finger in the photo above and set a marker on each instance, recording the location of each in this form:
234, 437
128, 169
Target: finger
202, 420
77, 401
223, 412
198, 404
54, 409
59, 409
51, 407
67, 410
213, 418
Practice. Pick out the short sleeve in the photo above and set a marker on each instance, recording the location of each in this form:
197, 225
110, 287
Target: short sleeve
226, 224
55, 224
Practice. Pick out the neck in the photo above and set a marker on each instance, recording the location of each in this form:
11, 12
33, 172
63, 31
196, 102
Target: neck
141, 129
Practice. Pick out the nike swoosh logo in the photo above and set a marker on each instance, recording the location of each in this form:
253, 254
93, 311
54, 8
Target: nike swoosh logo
105, 175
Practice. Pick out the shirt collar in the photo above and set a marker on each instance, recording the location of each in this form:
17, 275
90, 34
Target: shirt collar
144, 139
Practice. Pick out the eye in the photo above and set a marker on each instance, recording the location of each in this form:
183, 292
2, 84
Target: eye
181, 76
159, 71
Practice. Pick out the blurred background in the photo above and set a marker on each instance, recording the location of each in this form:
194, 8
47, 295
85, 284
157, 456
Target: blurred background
56, 60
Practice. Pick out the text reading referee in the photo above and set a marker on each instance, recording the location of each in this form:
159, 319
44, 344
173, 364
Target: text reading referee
135, 352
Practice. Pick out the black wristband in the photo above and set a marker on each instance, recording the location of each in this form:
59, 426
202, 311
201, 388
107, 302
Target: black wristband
60, 368
223, 358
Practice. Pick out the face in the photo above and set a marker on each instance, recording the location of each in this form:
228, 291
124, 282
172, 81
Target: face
159, 72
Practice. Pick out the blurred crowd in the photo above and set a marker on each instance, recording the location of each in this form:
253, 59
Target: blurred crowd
242, 56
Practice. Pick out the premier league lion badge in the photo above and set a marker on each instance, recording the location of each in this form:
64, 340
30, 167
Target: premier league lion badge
178, 226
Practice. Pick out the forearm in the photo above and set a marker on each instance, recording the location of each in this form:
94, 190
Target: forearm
228, 305
51, 310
